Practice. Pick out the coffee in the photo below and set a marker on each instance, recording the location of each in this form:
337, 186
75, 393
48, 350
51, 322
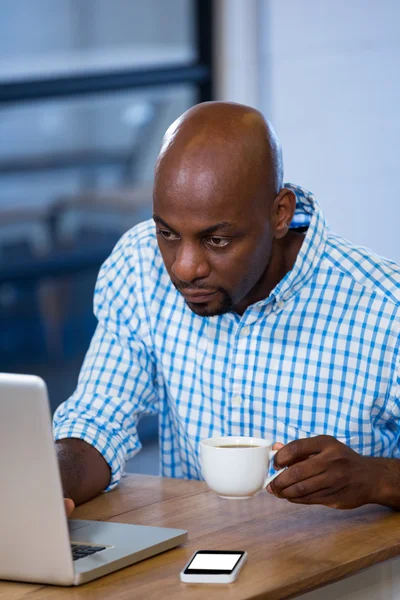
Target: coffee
238, 446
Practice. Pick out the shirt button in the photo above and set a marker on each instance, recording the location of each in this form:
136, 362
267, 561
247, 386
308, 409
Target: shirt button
280, 304
245, 331
237, 400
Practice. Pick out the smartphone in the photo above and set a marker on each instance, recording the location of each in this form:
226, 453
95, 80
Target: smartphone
213, 566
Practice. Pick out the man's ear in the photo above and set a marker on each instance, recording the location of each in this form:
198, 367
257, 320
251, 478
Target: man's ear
283, 209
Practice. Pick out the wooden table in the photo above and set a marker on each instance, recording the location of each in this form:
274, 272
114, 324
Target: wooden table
292, 548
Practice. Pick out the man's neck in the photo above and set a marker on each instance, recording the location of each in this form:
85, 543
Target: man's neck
283, 257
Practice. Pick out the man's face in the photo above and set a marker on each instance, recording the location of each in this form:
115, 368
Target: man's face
215, 242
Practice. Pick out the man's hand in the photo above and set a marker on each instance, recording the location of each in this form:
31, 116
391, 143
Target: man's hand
84, 472
322, 470
69, 506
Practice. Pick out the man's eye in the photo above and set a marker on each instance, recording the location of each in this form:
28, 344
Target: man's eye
168, 235
218, 242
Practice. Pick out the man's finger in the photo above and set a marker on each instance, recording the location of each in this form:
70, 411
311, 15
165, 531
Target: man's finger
69, 506
277, 446
298, 450
297, 474
307, 487
324, 497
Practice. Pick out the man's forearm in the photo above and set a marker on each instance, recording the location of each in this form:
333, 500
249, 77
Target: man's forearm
386, 482
84, 472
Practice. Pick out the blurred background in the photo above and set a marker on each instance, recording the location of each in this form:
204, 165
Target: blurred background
87, 90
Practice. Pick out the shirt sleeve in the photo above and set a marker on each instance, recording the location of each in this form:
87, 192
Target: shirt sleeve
396, 386
116, 382
394, 401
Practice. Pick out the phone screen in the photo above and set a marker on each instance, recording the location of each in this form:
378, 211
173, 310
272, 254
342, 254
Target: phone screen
214, 562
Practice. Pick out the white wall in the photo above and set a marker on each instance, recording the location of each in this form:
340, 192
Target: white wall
332, 90
329, 80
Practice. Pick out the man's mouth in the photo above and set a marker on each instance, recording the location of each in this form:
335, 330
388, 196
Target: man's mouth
199, 296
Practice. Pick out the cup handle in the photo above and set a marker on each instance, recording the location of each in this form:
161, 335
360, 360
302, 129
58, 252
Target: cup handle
272, 477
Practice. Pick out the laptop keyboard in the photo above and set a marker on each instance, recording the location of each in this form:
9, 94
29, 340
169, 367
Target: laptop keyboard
80, 551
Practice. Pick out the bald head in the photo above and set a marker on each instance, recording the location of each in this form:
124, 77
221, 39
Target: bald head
220, 210
217, 142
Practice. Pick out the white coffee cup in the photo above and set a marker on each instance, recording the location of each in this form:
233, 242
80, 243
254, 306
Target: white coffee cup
236, 472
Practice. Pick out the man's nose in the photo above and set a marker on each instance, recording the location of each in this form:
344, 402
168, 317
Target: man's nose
190, 264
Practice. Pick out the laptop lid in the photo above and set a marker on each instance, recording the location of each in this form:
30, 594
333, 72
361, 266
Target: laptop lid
34, 540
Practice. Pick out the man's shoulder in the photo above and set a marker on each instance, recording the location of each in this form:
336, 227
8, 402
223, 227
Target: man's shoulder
136, 254
139, 244
376, 273
141, 236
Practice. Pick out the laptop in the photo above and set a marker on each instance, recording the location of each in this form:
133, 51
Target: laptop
37, 542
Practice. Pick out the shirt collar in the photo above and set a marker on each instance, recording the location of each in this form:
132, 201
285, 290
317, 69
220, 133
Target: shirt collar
308, 214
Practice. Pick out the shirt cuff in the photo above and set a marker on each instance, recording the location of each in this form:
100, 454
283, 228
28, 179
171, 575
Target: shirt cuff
111, 449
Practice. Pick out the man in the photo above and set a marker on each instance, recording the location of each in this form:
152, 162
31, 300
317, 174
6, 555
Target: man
236, 312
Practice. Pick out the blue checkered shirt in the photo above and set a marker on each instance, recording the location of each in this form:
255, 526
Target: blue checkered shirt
320, 355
